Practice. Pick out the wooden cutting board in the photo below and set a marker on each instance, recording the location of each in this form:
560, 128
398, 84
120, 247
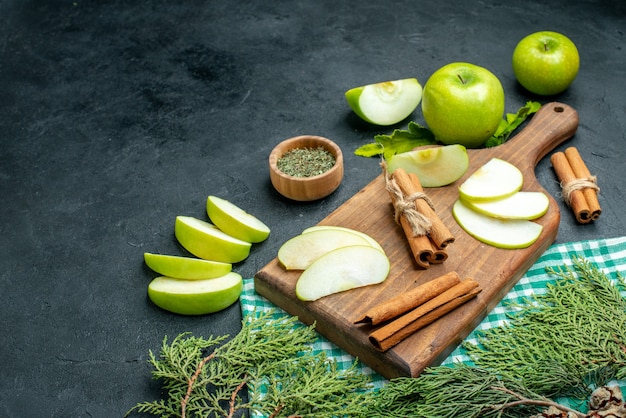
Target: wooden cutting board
496, 270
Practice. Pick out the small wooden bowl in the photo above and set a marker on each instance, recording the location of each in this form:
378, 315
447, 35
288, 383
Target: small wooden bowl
305, 189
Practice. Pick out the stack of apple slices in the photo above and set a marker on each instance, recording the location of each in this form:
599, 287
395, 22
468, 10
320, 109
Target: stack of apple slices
207, 284
333, 259
493, 209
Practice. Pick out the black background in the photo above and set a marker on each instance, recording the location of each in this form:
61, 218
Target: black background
117, 116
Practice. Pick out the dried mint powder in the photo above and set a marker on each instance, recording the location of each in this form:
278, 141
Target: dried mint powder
306, 162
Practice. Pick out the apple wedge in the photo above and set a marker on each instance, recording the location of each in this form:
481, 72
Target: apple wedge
235, 221
186, 267
520, 205
195, 297
363, 235
501, 233
342, 269
434, 166
385, 103
206, 241
495, 180
301, 251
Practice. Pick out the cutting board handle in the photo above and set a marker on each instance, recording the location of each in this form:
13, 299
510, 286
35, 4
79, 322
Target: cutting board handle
549, 127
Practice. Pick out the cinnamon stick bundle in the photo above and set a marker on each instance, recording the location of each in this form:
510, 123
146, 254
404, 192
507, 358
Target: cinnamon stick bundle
429, 238
394, 332
580, 190
411, 299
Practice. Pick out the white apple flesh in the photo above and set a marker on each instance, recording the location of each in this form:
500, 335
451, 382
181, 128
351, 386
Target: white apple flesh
342, 269
234, 221
521, 205
494, 180
363, 235
434, 166
301, 251
385, 103
186, 267
206, 241
195, 297
501, 233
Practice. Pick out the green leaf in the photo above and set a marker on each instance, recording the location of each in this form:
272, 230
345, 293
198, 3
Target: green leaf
512, 122
399, 141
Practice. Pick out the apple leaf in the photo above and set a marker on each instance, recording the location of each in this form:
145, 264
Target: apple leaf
512, 121
399, 141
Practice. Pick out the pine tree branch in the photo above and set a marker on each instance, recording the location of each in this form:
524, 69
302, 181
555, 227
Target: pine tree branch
526, 401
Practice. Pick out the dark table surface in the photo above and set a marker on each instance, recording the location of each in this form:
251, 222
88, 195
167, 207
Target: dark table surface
117, 116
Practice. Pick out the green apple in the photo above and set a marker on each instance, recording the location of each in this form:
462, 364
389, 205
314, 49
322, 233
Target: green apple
195, 297
546, 62
494, 180
368, 238
206, 241
501, 233
235, 221
301, 251
463, 104
342, 269
385, 103
186, 267
434, 166
521, 205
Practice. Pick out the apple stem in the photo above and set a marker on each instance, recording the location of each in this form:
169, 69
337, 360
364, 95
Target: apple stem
461, 78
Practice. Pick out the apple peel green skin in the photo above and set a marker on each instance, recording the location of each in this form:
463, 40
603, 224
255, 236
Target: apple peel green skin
342, 269
235, 221
369, 239
500, 233
385, 103
463, 104
545, 63
494, 180
186, 267
299, 252
206, 241
195, 297
521, 205
434, 166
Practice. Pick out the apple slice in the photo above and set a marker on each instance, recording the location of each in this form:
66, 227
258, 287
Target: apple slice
208, 242
235, 221
521, 205
434, 166
363, 235
501, 233
300, 251
342, 269
385, 103
186, 267
195, 297
494, 180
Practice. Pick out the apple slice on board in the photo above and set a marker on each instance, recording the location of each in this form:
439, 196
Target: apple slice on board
186, 267
208, 242
235, 221
434, 166
371, 240
342, 269
494, 180
521, 205
300, 251
195, 297
501, 233
385, 103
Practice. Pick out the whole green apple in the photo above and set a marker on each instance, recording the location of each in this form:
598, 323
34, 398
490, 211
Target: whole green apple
463, 104
545, 63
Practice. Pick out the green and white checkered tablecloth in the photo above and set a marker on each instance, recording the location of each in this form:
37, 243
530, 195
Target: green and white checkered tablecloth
608, 254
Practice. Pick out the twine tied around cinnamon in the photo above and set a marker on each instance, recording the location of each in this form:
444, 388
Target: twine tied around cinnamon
405, 205
567, 189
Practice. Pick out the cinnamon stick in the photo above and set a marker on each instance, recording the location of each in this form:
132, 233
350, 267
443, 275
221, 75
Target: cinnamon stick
574, 197
582, 172
396, 331
411, 299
